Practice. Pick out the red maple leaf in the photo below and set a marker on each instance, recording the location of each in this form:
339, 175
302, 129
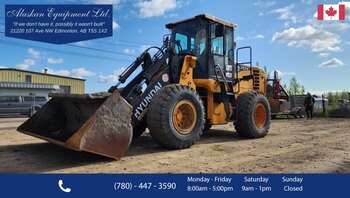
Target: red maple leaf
331, 12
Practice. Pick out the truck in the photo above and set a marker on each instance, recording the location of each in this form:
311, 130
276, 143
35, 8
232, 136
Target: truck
24, 105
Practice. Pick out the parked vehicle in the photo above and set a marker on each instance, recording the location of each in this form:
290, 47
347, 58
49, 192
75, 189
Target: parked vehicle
24, 105
281, 102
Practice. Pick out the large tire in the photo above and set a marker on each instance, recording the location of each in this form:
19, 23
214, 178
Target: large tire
176, 117
254, 115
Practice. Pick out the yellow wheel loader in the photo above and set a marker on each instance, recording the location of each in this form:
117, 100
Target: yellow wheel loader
192, 82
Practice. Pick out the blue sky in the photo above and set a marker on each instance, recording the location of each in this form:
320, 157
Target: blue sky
285, 36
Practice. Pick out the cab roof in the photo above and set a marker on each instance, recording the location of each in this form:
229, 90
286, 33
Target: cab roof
205, 17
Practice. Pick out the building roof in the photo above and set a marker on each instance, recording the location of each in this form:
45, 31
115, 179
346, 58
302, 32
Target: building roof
203, 16
33, 72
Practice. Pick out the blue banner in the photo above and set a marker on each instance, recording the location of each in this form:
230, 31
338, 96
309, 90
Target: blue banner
175, 185
58, 24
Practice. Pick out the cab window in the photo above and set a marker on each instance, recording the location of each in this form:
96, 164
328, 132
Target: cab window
217, 43
186, 43
6, 99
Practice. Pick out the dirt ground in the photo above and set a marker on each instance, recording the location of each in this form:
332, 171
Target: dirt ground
292, 146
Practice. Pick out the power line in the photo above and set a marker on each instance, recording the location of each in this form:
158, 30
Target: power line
135, 42
101, 50
22, 45
132, 42
115, 44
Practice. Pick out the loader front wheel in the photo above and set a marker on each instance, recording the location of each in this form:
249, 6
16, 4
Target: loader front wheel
176, 117
254, 115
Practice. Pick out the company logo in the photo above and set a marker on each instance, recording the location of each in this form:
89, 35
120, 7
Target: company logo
331, 12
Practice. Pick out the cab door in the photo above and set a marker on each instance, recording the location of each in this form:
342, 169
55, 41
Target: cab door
217, 54
221, 51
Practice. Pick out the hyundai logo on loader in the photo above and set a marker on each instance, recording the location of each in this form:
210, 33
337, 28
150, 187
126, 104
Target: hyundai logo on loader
142, 108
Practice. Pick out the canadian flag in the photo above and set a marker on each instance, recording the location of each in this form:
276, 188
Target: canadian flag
331, 12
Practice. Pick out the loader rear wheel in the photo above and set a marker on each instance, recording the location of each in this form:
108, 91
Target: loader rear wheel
176, 117
254, 115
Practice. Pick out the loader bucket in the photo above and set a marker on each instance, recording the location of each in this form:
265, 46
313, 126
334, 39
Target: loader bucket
98, 123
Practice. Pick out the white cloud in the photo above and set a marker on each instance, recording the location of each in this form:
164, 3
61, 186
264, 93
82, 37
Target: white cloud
171, 15
155, 7
56, 72
285, 13
114, 2
108, 79
318, 40
280, 73
54, 61
309, 2
77, 73
239, 38
115, 25
82, 43
335, 26
33, 53
329, 25
1, 66
334, 62
264, 4
286, 24
324, 54
144, 47
182, 3
129, 51
81, 73
26, 64
347, 43
259, 36
113, 78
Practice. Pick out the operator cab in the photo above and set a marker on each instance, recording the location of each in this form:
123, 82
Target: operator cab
209, 39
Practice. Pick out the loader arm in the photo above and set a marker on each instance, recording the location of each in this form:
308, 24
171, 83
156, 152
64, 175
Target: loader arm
154, 73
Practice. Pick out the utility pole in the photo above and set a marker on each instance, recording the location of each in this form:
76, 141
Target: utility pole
33, 107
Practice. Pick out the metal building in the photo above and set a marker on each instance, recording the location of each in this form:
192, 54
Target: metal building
17, 82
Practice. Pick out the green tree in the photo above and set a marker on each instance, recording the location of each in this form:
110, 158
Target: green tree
295, 88
268, 74
344, 95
